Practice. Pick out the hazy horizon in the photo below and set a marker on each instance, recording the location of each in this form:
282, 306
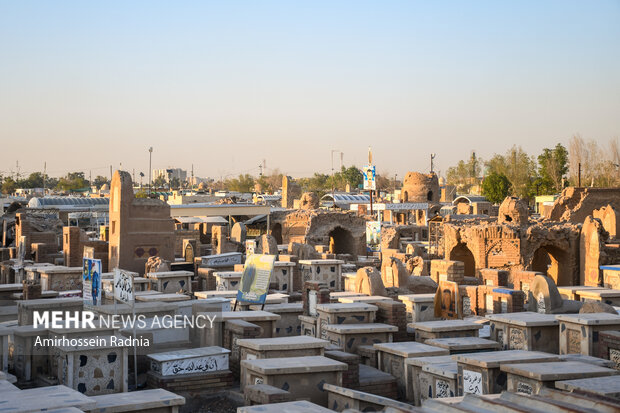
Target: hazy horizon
224, 85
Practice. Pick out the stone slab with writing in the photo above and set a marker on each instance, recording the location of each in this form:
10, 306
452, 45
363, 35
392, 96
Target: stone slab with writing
202, 359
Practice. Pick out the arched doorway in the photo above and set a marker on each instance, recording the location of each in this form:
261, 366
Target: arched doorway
462, 253
429, 196
553, 262
343, 241
276, 232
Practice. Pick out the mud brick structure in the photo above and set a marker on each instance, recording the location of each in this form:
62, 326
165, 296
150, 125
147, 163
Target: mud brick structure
448, 271
469, 300
515, 244
506, 300
495, 277
37, 230
206, 279
351, 376
139, 228
521, 280
98, 250
393, 313
314, 293
290, 191
73, 239
486, 303
575, 204
235, 330
419, 187
346, 231
180, 235
597, 250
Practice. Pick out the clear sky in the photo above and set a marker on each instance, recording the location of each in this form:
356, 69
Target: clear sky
225, 84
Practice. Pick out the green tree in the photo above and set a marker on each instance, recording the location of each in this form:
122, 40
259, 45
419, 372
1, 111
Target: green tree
518, 167
465, 174
270, 183
552, 168
34, 180
100, 181
159, 182
9, 186
243, 183
319, 183
352, 176
495, 187
73, 181
175, 182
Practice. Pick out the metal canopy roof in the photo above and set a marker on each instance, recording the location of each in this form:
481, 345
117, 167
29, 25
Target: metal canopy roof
469, 199
60, 201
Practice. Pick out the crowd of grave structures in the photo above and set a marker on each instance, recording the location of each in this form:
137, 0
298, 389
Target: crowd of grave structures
462, 306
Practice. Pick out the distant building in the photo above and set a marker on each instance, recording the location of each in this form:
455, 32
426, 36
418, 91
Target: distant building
170, 173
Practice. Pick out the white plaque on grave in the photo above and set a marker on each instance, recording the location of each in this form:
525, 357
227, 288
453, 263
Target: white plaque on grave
312, 299
489, 304
442, 389
187, 365
540, 303
524, 388
466, 306
472, 382
614, 355
123, 286
504, 304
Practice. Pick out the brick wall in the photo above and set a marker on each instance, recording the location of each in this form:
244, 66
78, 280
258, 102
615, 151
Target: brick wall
350, 377
322, 294
507, 300
100, 252
72, 246
206, 279
393, 313
522, 280
453, 270
483, 291
469, 293
180, 235
495, 277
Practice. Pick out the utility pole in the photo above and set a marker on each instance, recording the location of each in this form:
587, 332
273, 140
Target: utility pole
370, 189
150, 157
333, 189
341, 160
44, 172
579, 176
110, 173
260, 167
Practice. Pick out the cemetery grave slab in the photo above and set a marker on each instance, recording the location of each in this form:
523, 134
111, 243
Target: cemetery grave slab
529, 378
